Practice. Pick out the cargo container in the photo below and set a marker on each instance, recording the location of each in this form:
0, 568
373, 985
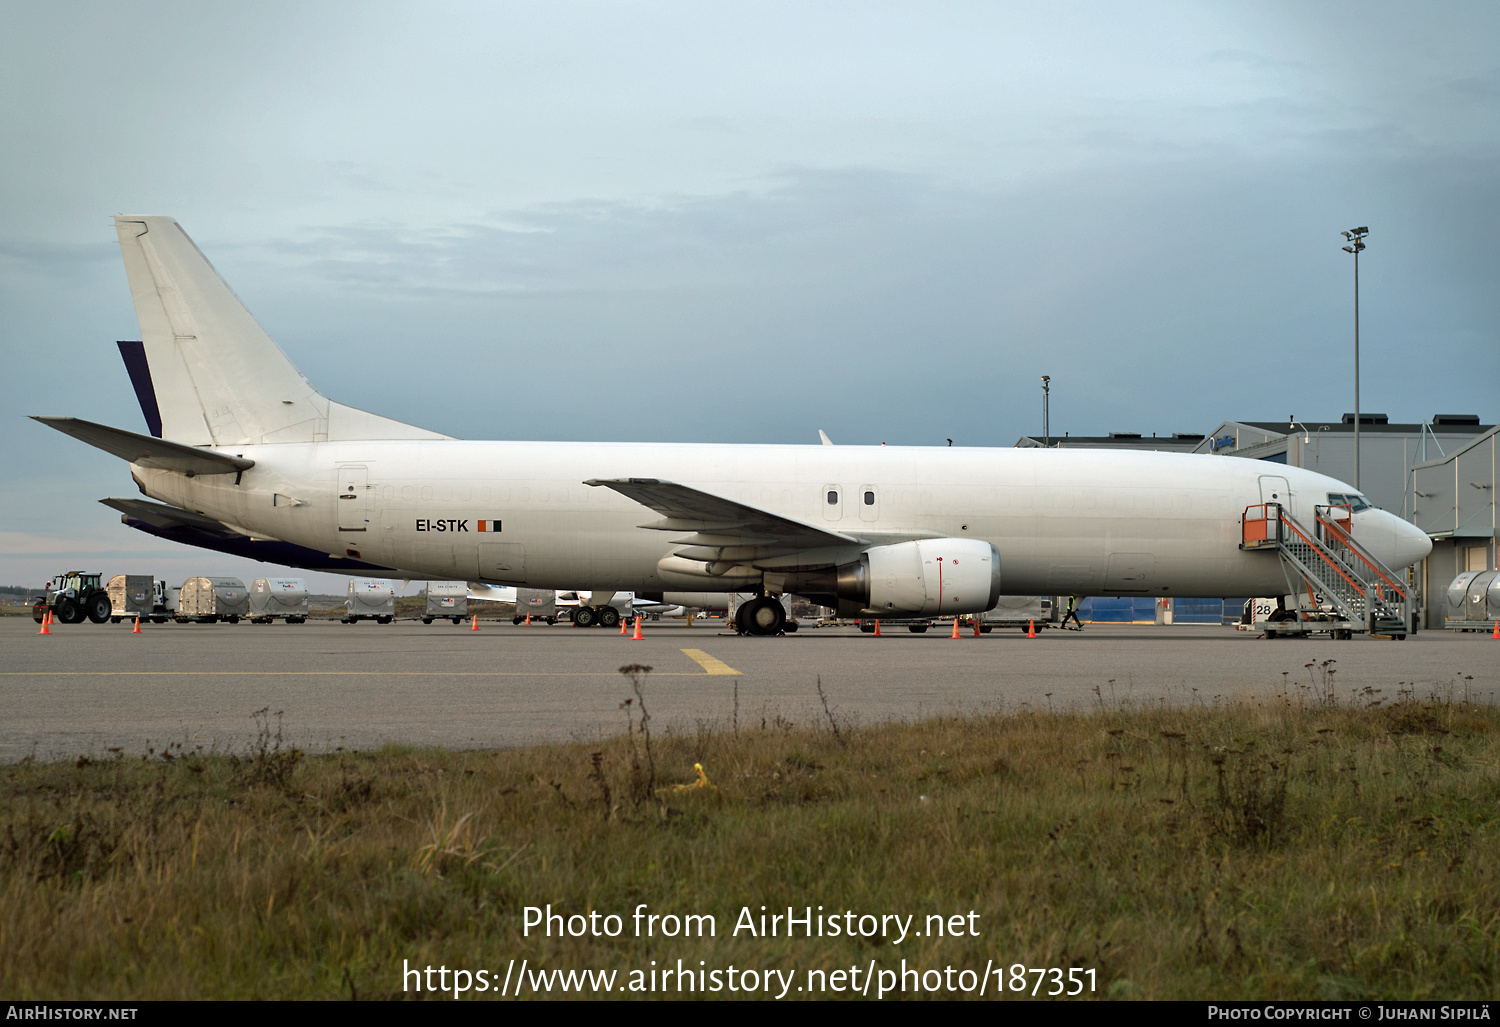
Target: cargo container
131, 596
1019, 612
278, 597
1473, 601
446, 599
370, 599
536, 603
208, 600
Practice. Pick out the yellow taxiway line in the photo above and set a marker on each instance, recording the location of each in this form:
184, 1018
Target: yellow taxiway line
710, 664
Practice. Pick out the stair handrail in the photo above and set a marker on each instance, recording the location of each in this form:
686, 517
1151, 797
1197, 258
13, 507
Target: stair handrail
1323, 554
1346, 538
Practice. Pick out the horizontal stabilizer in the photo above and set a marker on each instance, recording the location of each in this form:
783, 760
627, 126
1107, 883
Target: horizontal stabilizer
188, 528
160, 515
148, 451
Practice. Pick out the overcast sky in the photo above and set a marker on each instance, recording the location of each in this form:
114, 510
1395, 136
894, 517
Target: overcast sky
743, 222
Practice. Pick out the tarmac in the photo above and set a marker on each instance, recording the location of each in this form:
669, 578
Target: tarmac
88, 689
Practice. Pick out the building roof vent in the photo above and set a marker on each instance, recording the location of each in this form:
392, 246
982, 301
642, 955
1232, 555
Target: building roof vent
1124, 434
1467, 419
1187, 436
1365, 418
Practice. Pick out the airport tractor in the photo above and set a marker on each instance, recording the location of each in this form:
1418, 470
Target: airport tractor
74, 596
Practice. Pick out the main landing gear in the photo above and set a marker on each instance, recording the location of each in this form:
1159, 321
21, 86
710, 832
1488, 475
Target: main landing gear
763, 615
604, 616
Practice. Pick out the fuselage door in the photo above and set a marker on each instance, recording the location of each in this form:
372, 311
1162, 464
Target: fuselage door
1275, 489
354, 498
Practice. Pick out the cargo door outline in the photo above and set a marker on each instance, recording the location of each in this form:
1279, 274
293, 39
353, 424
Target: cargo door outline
502, 561
1128, 573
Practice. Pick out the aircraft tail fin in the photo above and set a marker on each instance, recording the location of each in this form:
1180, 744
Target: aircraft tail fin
212, 374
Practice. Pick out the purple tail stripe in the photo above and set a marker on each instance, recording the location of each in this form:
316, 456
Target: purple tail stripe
134, 354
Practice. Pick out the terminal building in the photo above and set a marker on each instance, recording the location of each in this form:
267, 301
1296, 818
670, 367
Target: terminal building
1453, 500
1439, 474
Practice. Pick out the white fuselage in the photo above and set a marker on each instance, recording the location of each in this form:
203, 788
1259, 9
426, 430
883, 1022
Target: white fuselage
1064, 521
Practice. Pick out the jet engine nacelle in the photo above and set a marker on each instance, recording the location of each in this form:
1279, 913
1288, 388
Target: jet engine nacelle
927, 577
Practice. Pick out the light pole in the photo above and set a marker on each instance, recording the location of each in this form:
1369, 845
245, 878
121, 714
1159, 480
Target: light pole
1355, 237
1046, 422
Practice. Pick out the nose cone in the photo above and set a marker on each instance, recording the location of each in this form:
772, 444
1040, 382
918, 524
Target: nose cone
1412, 543
1394, 542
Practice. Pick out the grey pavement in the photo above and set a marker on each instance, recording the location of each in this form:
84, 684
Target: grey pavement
87, 688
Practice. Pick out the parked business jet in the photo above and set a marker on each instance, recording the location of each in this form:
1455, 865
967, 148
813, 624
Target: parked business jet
244, 455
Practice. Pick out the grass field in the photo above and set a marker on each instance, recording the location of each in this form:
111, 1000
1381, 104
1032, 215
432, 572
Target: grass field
1302, 845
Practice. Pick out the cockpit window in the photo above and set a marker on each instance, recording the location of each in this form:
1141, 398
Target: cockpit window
1353, 500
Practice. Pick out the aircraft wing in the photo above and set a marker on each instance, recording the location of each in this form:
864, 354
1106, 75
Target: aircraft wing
718, 521
147, 450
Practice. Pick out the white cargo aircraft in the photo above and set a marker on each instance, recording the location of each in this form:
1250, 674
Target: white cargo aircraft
246, 456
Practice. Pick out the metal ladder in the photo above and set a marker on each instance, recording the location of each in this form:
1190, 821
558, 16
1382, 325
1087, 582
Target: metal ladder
1328, 561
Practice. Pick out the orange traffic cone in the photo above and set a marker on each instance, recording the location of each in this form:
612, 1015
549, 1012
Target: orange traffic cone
877, 629
637, 636
976, 629
1031, 628
528, 620
475, 626
623, 624
955, 628
46, 623
1497, 630
137, 629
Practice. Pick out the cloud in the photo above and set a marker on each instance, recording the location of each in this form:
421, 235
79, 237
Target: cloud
20, 543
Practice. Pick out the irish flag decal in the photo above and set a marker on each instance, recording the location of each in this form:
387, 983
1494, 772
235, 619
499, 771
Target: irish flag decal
489, 525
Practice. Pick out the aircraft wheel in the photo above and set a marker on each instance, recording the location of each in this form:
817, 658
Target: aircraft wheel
97, 607
609, 617
583, 617
763, 616
917, 629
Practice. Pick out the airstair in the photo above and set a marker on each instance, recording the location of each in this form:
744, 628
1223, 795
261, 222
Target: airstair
1339, 585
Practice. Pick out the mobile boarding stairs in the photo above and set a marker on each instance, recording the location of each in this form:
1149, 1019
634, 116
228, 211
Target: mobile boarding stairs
1339, 586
